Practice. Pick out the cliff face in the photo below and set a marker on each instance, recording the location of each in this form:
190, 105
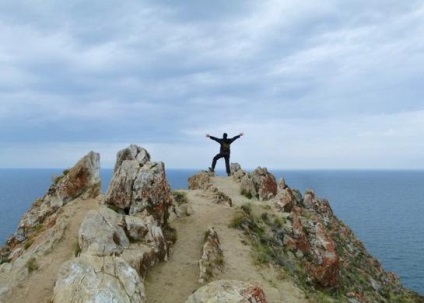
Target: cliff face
245, 238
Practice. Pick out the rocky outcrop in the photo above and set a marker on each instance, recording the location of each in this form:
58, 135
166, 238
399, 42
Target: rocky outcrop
228, 291
201, 180
139, 186
212, 260
259, 184
237, 172
124, 238
43, 226
82, 180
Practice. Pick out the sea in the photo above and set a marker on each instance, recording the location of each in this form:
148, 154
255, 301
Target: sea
384, 208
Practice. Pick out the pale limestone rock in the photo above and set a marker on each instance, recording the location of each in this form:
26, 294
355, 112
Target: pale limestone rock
101, 233
137, 228
133, 152
228, 291
247, 187
98, 279
212, 260
201, 180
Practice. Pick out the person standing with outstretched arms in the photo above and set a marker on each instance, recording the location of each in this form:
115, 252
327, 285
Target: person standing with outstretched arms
224, 151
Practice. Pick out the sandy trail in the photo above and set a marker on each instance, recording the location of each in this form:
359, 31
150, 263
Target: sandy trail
38, 287
175, 280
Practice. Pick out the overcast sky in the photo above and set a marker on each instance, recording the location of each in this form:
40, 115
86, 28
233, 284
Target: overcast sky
312, 84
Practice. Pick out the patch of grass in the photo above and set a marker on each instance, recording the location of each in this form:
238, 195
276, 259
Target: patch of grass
28, 243
237, 220
247, 208
32, 265
179, 197
246, 194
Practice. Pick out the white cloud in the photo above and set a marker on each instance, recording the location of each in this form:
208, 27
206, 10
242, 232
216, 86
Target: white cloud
307, 82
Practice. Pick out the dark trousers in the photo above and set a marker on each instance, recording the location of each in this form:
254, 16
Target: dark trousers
226, 156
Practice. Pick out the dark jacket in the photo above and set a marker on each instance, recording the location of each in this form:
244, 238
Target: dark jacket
225, 143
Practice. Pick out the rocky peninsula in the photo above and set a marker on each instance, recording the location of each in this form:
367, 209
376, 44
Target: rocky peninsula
245, 238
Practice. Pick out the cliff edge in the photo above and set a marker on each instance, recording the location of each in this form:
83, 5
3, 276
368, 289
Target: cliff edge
244, 238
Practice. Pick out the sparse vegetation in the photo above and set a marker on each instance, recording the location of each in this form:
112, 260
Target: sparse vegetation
32, 265
179, 197
28, 243
77, 248
246, 194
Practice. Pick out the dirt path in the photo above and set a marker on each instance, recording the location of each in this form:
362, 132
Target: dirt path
175, 280
38, 287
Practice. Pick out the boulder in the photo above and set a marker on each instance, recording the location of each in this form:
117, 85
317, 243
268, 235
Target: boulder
98, 279
212, 260
139, 186
81, 180
201, 180
285, 200
325, 269
228, 291
101, 233
247, 187
237, 172
133, 152
265, 183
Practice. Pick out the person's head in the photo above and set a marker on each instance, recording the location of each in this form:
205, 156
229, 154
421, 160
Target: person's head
225, 135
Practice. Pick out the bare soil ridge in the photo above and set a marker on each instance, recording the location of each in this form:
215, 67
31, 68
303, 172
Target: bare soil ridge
176, 279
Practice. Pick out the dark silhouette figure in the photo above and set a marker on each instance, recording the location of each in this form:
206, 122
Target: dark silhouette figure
224, 151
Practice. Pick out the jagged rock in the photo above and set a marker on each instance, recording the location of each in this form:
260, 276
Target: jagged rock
212, 259
228, 291
234, 167
259, 184
101, 233
139, 186
184, 210
133, 152
265, 183
201, 180
137, 228
247, 187
325, 269
219, 197
141, 257
82, 180
285, 200
98, 279
237, 172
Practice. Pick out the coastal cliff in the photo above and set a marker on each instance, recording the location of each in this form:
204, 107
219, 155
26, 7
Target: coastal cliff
244, 238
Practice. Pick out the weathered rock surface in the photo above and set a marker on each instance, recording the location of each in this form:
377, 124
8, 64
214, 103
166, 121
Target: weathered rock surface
122, 239
43, 226
139, 186
98, 279
265, 183
101, 233
260, 184
212, 260
82, 180
201, 180
228, 291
